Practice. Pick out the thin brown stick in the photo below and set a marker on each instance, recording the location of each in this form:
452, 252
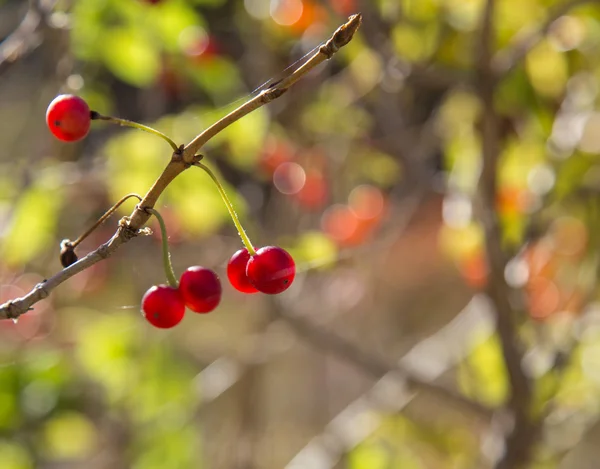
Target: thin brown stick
24, 39
519, 442
180, 161
342, 36
14, 308
377, 366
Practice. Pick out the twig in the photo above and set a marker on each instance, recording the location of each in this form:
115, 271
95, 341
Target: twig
506, 60
24, 39
519, 442
15, 308
340, 38
181, 159
361, 418
374, 365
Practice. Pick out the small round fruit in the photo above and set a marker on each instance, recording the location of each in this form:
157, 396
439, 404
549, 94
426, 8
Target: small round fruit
236, 272
163, 306
271, 270
68, 117
200, 289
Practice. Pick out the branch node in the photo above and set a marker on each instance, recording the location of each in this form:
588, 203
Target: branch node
12, 311
42, 289
125, 230
273, 93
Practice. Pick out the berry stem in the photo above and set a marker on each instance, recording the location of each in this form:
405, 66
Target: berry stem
103, 218
171, 280
229, 205
136, 125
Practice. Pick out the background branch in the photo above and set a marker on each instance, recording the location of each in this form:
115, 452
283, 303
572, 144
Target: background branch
376, 366
519, 442
506, 60
25, 39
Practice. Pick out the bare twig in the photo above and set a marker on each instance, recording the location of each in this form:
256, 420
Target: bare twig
181, 159
15, 308
24, 39
506, 60
374, 365
391, 394
340, 38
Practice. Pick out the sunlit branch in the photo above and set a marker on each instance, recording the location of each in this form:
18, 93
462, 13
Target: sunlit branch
181, 159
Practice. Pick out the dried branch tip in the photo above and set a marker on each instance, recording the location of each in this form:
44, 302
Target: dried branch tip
343, 35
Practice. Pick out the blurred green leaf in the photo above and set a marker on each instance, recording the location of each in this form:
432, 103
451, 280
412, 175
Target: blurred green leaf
32, 227
171, 19
315, 249
483, 375
219, 77
170, 447
197, 202
370, 456
131, 57
246, 138
105, 349
547, 69
69, 435
14, 456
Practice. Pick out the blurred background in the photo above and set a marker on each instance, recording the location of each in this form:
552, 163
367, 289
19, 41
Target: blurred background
436, 182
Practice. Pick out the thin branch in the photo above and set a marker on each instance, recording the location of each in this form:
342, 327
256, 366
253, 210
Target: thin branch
390, 394
340, 38
24, 39
374, 365
520, 440
507, 59
181, 159
15, 308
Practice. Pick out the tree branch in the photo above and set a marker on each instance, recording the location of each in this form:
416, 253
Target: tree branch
507, 59
519, 442
15, 308
180, 161
25, 38
374, 365
342, 36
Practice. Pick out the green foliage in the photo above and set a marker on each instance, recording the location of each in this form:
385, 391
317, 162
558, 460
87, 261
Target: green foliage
89, 366
33, 224
483, 375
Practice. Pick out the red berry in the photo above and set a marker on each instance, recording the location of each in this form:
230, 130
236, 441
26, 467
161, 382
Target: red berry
163, 306
236, 272
68, 117
271, 270
200, 289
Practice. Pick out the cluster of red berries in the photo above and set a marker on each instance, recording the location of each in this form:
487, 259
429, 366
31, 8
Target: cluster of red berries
271, 270
199, 289
268, 270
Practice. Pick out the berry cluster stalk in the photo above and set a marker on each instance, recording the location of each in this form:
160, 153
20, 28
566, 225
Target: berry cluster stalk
171, 279
229, 205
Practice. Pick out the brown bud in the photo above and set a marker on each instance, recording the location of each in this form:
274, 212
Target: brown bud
67, 253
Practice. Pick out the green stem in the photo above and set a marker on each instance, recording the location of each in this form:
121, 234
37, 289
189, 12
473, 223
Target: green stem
171, 280
136, 125
229, 205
